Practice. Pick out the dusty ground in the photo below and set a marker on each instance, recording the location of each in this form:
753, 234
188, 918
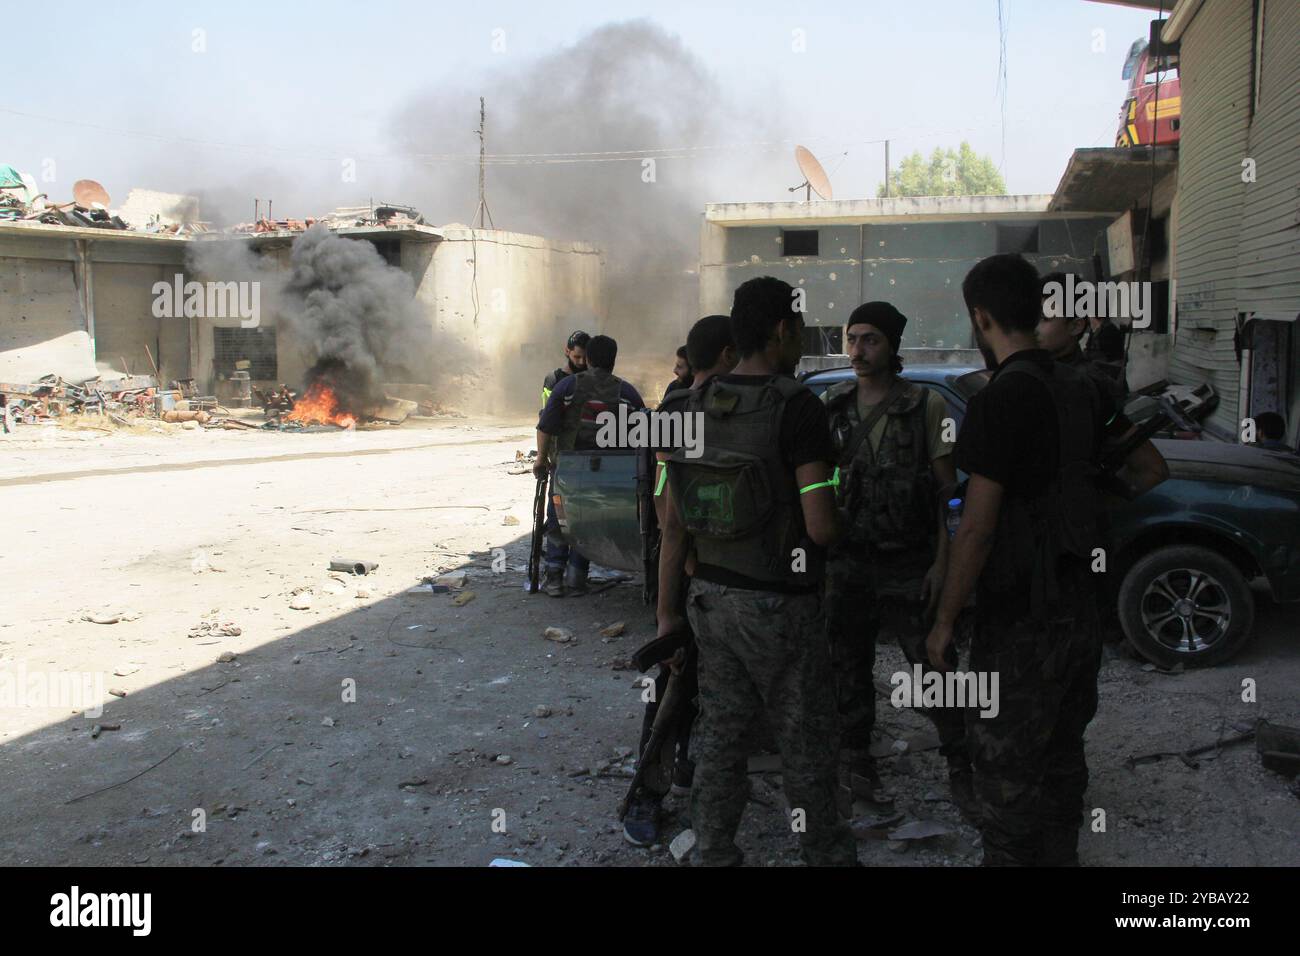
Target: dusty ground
223, 527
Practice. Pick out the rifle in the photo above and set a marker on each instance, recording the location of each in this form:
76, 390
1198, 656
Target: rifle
539, 535
661, 749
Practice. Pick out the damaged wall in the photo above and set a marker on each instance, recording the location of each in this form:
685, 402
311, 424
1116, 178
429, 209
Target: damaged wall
509, 301
72, 299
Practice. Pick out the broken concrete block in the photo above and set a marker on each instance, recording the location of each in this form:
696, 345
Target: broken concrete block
300, 601
682, 845
452, 579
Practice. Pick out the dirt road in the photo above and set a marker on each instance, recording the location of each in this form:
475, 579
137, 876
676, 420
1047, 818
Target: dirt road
377, 726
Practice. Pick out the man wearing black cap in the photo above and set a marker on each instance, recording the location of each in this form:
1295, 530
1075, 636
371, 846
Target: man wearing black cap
575, 361
895, 459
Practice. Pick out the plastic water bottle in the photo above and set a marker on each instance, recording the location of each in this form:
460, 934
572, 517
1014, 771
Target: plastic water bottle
953, 518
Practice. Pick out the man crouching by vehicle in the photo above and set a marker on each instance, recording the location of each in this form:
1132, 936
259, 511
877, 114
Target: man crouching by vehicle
759, 507
711, 351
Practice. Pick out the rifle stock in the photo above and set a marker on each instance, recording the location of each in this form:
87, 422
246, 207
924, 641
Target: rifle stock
539, 535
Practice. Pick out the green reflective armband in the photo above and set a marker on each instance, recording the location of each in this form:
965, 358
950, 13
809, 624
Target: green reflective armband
663, 478
833, 483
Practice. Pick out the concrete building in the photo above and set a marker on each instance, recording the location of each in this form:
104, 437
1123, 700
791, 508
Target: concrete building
1237, 233
913, 252
1134, 190
75, 302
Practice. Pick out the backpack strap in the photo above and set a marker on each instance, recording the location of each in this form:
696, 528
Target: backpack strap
863, 428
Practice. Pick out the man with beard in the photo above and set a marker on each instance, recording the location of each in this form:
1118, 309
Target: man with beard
575, 361
895, 472
683, 373
1031, 443
758, 504
1060, 335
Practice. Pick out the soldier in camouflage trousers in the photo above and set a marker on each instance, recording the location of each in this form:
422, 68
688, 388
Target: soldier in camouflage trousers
763, 652
888, 569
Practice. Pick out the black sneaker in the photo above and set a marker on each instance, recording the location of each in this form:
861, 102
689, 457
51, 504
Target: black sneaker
641, 824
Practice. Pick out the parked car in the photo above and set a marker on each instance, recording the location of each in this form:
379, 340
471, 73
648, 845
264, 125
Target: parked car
1181, 559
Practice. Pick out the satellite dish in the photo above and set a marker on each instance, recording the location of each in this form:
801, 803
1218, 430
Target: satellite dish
89, 194
815, 178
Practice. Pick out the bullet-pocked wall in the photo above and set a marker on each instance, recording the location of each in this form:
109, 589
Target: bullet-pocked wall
917, 265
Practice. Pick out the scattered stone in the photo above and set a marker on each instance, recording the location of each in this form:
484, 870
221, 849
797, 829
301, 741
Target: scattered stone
899, 746
561, 635
510, 521
327, 722
117, 692
361, 594
622, 664
682, 845
614, 630
505, 759
109, 617
460, 600
300, 601
897, 846
541, 710
225, 657
919, 830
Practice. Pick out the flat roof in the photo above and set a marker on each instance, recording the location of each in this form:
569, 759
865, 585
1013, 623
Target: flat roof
894, 209
46, 230
1111, 179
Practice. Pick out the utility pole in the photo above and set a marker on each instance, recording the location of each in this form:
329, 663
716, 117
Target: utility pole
886, 169
483, 213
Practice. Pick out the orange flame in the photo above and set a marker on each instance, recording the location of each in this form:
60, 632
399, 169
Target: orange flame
320, 407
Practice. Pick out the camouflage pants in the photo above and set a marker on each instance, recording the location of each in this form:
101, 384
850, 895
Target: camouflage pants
1030, 771
763, 653
855, 613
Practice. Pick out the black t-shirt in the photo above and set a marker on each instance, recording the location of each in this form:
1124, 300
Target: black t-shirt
1107, 342
805, 437
1011, 435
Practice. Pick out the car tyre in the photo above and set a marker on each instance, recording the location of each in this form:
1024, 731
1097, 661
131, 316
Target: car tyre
1186, 604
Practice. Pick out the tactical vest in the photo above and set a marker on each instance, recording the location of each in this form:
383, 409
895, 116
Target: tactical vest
1039, 539
739, 500
594, 391
888, 494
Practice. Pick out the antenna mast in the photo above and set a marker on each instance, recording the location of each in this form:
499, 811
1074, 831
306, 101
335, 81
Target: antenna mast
482, 212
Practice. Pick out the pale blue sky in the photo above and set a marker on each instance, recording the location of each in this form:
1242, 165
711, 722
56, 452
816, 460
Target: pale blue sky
306, 83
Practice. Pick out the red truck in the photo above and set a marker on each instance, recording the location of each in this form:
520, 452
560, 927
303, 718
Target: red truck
1152, 111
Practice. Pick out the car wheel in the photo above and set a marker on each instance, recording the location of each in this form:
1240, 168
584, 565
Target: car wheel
1186, 604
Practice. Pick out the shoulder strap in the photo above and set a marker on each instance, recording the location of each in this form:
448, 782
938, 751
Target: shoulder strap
863, 429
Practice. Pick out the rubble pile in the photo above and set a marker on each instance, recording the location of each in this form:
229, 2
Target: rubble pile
124, 400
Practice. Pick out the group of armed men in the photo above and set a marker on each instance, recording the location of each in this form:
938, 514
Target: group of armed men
804, 526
